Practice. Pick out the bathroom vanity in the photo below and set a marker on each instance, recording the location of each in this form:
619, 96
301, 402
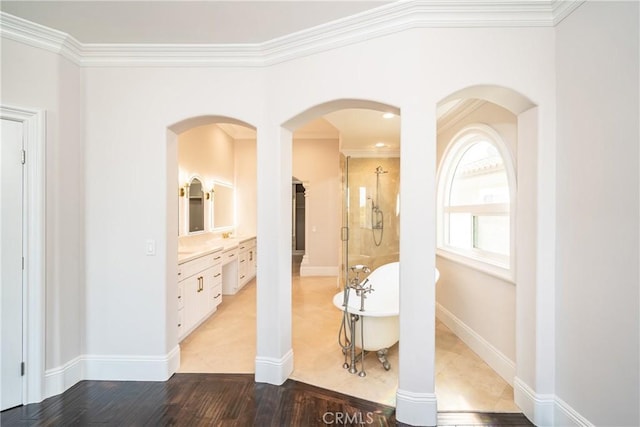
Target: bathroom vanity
206, 273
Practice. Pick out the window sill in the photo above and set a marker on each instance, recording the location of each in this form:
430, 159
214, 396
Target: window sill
478, 264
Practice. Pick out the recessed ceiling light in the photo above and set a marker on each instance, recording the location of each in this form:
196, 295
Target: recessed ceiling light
388, 115
380, 144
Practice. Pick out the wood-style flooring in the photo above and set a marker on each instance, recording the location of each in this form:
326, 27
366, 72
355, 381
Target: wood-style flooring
219, 400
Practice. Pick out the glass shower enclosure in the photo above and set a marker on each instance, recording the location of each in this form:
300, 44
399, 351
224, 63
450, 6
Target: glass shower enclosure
370, 212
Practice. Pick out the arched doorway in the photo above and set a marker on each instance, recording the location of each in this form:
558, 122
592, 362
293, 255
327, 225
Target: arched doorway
364, 150
212, 158
533, 264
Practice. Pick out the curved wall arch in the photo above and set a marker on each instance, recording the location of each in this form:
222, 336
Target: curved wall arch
534, 264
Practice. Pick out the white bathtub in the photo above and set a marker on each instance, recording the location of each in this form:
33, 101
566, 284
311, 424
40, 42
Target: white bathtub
381, 308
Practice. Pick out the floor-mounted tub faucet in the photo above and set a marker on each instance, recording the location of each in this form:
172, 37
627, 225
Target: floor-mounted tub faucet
361, 289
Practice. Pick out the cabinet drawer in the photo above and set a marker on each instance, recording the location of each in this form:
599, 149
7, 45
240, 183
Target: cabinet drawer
197, 265
217, 294
229, 256
217, 274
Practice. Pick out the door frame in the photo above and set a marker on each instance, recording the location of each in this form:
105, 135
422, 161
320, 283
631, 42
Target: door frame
33, 232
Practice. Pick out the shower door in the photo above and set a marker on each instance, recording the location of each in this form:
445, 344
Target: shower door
370, 212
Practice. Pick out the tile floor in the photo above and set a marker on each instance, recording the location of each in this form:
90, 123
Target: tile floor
225, 343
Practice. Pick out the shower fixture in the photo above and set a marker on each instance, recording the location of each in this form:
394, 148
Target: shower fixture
377, 216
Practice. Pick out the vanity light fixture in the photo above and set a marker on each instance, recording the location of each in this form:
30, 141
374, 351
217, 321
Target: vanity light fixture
184, 190
388, 115
380, 144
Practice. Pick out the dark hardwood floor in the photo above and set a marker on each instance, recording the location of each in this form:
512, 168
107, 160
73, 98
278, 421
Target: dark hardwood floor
219, 400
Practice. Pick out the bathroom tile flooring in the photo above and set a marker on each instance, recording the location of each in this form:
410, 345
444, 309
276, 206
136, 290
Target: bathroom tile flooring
225, 343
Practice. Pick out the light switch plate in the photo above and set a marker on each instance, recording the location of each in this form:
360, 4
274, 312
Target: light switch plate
150, 247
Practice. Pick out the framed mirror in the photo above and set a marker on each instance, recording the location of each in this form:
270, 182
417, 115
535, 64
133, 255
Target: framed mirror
223, 206
196, 206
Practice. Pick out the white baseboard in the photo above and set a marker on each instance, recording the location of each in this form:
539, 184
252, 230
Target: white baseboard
132, 368
57, 380
416, 409
310, 270
536, 407
565, 415
113, 368
500, 363
274, 371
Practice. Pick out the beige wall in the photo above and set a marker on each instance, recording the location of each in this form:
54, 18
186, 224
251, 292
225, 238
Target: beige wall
206, 151
246, 186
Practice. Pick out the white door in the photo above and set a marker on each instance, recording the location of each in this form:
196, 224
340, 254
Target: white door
11, 184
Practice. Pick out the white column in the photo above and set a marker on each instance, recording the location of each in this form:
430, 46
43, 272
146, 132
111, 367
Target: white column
274, 355
415, 399
534, 386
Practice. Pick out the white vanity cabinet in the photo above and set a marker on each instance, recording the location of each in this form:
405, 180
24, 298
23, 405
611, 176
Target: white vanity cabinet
247, 261
199, 290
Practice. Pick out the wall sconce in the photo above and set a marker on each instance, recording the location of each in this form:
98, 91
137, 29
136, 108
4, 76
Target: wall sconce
184, 190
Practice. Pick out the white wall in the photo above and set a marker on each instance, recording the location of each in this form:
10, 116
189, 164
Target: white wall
317, 162
128, 111
597, 315
408, 78
36, 78
127, 115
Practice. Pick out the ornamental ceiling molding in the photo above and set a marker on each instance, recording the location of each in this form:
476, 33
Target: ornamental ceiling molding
384, 20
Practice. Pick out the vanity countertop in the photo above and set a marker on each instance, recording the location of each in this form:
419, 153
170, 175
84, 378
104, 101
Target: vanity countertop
189, 253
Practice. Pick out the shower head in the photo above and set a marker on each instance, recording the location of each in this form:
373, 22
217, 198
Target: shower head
379, 170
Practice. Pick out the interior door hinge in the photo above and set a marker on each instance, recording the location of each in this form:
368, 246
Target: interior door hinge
23, 263
22, 368
24, 157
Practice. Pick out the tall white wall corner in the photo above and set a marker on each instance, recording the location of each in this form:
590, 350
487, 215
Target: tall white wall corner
416, 409
173, 361
274, 371
539, 408
59, 379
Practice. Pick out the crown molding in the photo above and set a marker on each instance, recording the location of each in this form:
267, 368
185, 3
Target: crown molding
384, 20
36, 35
458, 112
562, 9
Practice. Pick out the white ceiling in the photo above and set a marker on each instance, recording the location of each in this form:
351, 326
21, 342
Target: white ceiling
180, 21
223, 22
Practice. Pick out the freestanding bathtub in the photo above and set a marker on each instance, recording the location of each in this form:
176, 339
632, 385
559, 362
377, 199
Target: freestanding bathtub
380, 318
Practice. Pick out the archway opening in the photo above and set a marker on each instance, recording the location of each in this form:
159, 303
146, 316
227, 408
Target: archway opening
487, 145
211, 168
337, 148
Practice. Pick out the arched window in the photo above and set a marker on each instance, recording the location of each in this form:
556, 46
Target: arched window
475, 195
